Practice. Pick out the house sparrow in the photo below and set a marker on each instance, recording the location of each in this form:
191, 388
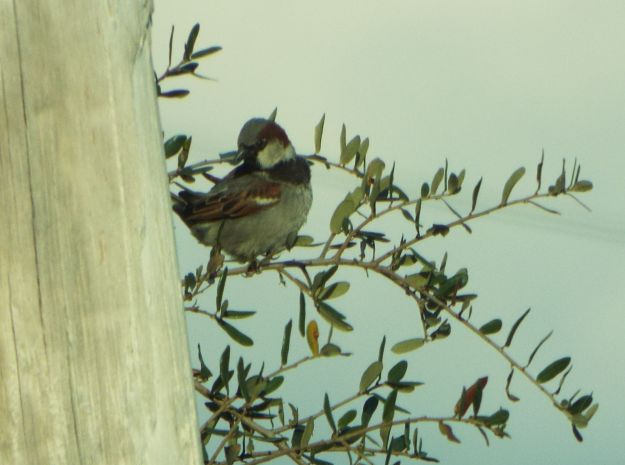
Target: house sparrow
259, 207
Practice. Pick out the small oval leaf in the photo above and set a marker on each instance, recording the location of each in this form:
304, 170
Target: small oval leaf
368, 409
330, 350
553, 370
438, 177
370, 374
408, 345
350, 150
319, 133
347, 418
334, 290
396, 373
174, 144
334, 317
491, 327
510, 183
343, 211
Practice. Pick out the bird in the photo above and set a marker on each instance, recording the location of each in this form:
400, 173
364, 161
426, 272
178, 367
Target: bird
259, 207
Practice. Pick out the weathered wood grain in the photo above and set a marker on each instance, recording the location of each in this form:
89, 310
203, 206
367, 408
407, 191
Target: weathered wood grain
93, 355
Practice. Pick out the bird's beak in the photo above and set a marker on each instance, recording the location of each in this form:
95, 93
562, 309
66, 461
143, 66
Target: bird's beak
243, 154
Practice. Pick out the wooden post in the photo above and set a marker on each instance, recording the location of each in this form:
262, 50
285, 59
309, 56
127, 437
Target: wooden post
94, 365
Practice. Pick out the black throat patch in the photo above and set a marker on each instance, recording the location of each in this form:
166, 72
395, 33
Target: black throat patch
294, 171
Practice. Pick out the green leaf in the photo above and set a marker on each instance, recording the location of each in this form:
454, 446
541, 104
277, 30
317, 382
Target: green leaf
476, 192
273, 385
343, 139
491, 327
241, 378
407, 215
322, 278
205, 373
189, 68
514, 328
370, 375
553, 370
319, 133
461, 176
302, 314
327, 409
356, 196
274, 113
220, 288
417, 281
231, 453
307, 434
375, 168
224, 367
381, 351
407, 386
577, 434
234, 333
425, 190
580, 405
539, 170
350, 150
511, 396
538, 347
417, 216
368, 409
347, 418
296, 439
510, 183
332, 316
559, 185
188, 47
255, 386
334, 290
342, 212
500, 417
436, 181
237, 314
176, 93
453, 184
286, 341
174, 144
581, 186
205, 52
389, 407
408, 345
364, 148
330, 350
396, 374
304, 241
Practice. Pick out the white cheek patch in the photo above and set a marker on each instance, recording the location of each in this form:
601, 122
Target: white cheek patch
273, 153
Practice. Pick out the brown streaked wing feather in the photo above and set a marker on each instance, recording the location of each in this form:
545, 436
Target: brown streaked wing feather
225, 205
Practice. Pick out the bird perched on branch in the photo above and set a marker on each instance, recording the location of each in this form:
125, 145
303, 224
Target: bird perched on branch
259, 207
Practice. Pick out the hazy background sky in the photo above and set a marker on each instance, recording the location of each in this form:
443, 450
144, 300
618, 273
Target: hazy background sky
487, 85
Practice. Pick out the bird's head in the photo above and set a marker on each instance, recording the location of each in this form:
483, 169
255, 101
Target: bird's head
264, 143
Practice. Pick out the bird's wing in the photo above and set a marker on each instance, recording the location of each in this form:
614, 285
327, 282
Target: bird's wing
232, 198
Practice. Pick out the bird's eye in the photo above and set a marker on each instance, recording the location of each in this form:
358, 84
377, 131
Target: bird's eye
261, 144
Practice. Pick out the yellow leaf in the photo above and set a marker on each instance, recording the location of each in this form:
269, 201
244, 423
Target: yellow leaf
312, 336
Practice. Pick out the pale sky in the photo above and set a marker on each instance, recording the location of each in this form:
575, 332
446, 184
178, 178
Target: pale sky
487, 85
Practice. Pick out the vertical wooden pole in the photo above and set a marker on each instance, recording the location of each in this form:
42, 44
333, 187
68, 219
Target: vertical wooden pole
94, 364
